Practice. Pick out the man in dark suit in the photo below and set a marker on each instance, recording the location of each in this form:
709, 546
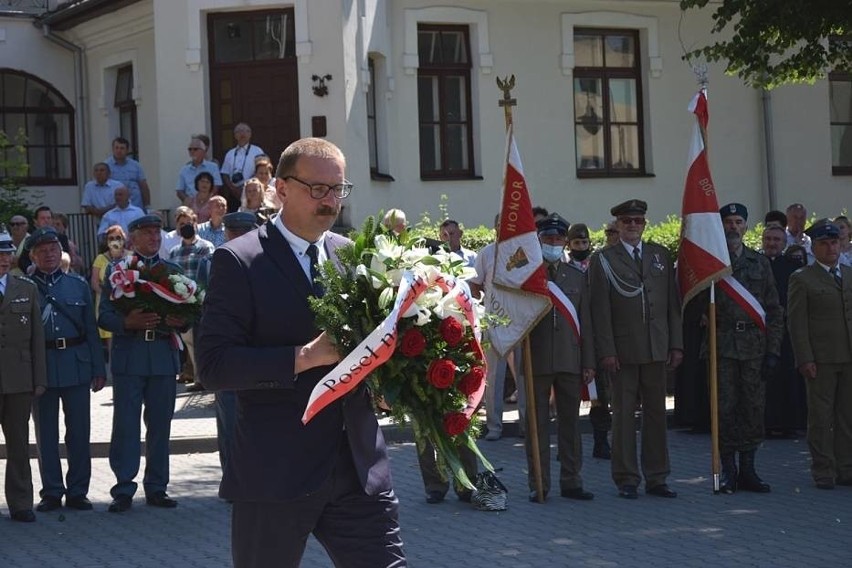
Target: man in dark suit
820, 323
330, 477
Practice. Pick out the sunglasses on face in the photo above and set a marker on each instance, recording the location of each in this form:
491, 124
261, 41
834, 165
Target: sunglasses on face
632, 220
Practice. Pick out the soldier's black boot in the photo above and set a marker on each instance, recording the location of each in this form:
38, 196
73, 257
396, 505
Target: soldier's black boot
728, 479
748, 479
601, 449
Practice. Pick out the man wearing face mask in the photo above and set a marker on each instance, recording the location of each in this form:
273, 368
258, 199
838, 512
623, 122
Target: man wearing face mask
188, 254
785, 390
579, 253
745, 353
638, 334
563, 361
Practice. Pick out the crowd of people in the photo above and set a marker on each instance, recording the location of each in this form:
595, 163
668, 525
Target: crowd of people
789, 371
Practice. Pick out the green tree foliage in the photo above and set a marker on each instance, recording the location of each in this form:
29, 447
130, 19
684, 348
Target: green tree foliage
775, 42
13, 168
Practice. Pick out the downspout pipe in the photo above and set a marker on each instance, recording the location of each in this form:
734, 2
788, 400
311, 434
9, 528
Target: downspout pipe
82, 131
768, 138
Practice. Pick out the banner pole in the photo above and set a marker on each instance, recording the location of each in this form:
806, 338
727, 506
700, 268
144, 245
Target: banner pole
714, 390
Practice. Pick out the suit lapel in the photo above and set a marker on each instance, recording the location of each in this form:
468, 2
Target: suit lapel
10, 289
276, 247
626, 259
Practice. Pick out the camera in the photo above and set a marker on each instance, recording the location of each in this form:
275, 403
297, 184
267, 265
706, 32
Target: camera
238, 178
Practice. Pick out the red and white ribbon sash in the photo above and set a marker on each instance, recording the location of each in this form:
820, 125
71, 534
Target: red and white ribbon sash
564, 306
124, 281
744, 299
380, 344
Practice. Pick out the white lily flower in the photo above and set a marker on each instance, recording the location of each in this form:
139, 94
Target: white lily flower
181, 289
413, 256
386, 298
448, 307
387, 247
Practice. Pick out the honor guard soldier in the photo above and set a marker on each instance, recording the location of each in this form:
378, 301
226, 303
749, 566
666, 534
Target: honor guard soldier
22, 375
820, 320
579, 253
744, 352
638, 335
144, 363
74, 364
561, 361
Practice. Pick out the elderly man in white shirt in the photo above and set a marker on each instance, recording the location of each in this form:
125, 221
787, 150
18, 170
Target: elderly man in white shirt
238, 165
122, 214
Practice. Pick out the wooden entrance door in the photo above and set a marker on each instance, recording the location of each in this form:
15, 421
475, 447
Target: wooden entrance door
253, 79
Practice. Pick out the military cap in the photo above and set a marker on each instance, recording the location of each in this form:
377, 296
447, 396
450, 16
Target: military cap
553, 224
144, 221
6, 242
734, 209
578, 231
823, 229
635, 206
42, 236
239, 220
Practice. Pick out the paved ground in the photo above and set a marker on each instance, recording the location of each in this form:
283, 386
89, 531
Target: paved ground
796, 525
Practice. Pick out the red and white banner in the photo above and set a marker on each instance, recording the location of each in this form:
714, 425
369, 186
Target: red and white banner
378, 347
744, 299
124, 281
520, 291
564, 306
703, 256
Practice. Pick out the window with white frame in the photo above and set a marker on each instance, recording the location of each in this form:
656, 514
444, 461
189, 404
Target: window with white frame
444, 101
126, 107
608, 127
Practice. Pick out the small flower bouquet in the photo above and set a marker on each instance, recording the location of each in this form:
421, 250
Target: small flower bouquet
160, 289
404, 320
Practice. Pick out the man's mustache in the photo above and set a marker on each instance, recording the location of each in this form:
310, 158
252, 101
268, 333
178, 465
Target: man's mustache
327, 210
732, 235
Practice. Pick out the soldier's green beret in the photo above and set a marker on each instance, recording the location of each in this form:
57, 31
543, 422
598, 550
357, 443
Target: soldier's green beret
578, 231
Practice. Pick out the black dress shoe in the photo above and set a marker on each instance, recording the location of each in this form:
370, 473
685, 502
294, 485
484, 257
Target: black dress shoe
433, 497
25, 516
465, 496
628, 492
578, 493
48, 503
161, 499
120, 504
79, 502
825, 484
661, 491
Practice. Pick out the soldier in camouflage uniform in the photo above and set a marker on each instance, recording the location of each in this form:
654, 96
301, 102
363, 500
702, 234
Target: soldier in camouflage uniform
744, 350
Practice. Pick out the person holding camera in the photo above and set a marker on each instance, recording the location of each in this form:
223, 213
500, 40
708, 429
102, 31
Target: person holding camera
238, 165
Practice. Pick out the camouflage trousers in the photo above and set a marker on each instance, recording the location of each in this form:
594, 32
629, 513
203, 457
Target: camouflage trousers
742, 400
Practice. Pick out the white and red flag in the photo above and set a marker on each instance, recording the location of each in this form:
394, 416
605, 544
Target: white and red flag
519, 290
703, 256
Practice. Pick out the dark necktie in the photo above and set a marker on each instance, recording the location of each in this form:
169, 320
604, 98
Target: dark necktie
313, 254
836, 273
637, 259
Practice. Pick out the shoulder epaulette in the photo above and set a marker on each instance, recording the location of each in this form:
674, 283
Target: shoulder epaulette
24, 278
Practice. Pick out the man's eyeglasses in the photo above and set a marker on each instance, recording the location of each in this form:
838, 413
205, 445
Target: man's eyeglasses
320, 190
632, 220
18, 223
194, 149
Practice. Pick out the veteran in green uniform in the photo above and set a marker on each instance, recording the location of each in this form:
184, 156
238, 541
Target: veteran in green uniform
819, 316
638, 334
744, 350
23, 375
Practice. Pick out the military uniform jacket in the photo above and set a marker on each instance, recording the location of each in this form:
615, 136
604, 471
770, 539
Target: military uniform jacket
640, 329
554, 344
819, 315
22, 358
131, 354
754, 272
77, 364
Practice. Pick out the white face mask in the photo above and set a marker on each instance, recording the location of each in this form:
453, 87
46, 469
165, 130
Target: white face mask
551, 253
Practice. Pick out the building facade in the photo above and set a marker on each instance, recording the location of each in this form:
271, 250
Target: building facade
408, 89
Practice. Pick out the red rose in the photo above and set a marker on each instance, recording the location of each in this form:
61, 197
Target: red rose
452, 331
471, 382
455, 423
413, 343
441, 373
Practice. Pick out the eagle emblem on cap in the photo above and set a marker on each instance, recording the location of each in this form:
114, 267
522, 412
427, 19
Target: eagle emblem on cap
732, 207
517, 260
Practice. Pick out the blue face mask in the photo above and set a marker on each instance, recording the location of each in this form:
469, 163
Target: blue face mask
551, 253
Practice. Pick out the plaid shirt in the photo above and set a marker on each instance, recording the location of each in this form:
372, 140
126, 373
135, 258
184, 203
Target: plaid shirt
188, 257
215, 236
